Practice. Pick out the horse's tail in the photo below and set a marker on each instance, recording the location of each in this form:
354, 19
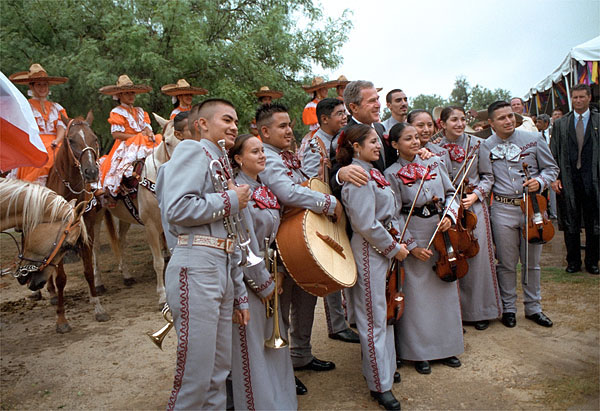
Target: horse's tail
112, 234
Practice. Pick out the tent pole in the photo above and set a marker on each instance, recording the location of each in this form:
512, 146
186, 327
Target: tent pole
568, 92
553, 101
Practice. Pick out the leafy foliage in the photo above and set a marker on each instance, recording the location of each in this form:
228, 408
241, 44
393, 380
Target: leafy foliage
229, 47
463, 95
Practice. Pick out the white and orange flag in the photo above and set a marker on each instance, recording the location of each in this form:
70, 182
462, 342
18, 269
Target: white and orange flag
20, 142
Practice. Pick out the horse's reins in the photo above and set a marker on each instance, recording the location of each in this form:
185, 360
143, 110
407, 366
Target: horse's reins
24, 270
76, 160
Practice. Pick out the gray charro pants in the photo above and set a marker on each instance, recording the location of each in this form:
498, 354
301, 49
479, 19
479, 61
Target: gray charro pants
200, 294
334, 313
298, 314
507, 221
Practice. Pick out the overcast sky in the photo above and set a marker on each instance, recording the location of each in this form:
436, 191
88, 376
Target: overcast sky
422, 45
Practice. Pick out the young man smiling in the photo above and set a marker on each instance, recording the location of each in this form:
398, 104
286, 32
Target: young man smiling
505, 152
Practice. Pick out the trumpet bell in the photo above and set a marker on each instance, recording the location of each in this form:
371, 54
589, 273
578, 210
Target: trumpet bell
276, 342
158, 336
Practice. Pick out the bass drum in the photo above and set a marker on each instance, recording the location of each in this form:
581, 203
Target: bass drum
315, 250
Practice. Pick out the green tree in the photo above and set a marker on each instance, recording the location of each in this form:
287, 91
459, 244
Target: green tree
460, 93
229, 47
480, 97
427, 102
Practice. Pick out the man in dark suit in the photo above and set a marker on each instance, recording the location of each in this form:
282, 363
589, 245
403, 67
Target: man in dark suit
362, 101
575, 148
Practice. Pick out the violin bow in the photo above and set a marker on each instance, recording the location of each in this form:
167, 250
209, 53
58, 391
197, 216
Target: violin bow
462, 180
412, 206
525, 193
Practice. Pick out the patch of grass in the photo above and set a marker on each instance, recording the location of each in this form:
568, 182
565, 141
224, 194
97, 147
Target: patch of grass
567, 391
559, 275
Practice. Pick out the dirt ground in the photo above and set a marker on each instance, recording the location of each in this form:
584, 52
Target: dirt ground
113, 365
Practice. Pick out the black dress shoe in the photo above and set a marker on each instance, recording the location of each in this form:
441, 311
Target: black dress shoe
317, 365
451, 362
509, 319
398, 363
386, 400
540, 318
481, 325
347, 335
397, 377
300, 388
423, 367
573, 268
592, 269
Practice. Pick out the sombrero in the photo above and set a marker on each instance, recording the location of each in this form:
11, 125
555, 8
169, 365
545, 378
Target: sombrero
36, 73
181, 87
316, 84
341, 81
265, 91
125, 85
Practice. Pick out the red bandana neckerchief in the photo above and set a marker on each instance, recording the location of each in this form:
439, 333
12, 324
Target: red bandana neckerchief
413, 172
379, 178
264, 198
290, 159
456, 152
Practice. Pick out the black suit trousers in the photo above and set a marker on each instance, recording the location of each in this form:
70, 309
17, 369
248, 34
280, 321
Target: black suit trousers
586, 207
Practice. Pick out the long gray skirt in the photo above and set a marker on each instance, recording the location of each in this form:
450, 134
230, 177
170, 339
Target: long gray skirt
370, 310
431, 326
479, 294
262, 378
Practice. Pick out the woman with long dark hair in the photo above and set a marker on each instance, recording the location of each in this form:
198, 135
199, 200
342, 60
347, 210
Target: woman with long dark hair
430, 328
479, 294
373, 212
262, 378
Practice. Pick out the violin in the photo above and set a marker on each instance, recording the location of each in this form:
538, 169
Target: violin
394, 296
467, 221
452, 263
394, 278
538, 228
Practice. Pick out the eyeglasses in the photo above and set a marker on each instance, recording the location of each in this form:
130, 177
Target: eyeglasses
341, 113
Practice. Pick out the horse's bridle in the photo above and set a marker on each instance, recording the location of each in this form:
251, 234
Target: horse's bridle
77, 161
24, 270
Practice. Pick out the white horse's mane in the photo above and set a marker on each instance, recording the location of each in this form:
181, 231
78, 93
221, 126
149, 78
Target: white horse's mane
37, 203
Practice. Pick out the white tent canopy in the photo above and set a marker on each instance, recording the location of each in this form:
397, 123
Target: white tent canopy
588, 51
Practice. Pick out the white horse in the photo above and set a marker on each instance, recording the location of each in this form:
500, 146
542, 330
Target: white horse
149, 214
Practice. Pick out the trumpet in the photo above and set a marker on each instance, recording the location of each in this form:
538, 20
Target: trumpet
158, 336
276, 341
234, 224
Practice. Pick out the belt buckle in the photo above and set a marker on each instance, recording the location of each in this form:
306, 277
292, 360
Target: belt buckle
229, 244
426, 212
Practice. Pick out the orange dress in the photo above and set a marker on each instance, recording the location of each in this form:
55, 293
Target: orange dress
48, 124
309, 115
118, 163
177, 110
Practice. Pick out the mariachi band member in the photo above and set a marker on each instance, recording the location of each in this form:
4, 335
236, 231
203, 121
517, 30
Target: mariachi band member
503, 154
373, 248
265, 95
181, 94
332, 117
204, 291
430, 328
284, 176
422, 121
479, 295
47, 115
262, 377
131, 130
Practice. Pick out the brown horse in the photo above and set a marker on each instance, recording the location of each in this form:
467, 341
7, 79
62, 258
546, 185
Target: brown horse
73, 176
50, 226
